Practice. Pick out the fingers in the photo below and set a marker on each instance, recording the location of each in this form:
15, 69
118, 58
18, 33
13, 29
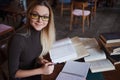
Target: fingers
49, 64
48, 68
43, 61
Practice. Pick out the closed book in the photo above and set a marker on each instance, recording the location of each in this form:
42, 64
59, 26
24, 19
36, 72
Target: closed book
115, 59
110, 37
113, 50
109, 44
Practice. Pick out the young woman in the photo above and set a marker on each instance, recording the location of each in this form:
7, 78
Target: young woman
33, 42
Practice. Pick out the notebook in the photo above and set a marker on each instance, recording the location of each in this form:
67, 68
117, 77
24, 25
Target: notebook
74, 70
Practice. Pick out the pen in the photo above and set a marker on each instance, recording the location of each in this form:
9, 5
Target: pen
51, 64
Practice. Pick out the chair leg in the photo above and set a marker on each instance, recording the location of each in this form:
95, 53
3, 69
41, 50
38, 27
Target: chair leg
83, 22
88, 22
71, 22
62, 8
76, 20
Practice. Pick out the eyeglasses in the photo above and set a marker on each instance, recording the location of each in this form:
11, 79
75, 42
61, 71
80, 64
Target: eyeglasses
37, 17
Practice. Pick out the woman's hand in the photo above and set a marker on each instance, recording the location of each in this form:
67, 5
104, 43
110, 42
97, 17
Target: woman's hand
47, 68
42, 60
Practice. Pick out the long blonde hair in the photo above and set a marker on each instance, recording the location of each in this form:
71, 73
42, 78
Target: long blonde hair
48, 33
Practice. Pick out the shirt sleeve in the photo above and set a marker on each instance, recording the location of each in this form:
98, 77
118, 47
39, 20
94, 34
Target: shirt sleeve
14, 50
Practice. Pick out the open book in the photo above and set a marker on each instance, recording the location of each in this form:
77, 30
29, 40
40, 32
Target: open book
62, 50
74, 70
67, 49
79, 47
98, 60
89, 42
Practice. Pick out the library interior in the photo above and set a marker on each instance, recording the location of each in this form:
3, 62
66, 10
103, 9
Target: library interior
88, 28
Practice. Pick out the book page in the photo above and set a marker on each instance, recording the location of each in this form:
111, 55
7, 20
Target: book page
101, 66
117, 49
62, 42
79, 47
64, 76
77, 68
95, 54
89, 42
63, 53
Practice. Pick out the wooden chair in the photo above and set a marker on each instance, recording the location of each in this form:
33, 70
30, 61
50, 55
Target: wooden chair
78, 10
92, 4
6, 33
64, 5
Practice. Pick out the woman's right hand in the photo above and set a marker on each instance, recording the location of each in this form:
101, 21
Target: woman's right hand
47, 68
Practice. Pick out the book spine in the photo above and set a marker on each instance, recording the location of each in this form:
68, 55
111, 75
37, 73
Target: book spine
103, 38
109, 44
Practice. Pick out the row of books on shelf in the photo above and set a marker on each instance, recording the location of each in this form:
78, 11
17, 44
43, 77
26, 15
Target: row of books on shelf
76, 48
110, 43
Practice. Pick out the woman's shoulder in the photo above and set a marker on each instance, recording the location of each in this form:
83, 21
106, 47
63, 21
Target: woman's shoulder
23, 32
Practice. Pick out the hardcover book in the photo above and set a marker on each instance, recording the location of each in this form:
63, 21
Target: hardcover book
115, 59
110, 37
113, 50
109, 44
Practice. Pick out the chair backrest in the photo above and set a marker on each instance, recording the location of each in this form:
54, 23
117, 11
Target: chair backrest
79, 5
65, 1
78, 8
65, 5
92, 6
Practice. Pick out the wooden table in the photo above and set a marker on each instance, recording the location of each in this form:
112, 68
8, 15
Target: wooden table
58, 68
108, 75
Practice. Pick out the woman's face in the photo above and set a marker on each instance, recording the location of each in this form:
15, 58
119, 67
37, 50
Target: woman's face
39, 17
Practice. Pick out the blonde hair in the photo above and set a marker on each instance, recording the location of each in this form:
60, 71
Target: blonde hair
48, 33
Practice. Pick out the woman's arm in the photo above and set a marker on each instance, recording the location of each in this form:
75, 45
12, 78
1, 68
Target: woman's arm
46, 69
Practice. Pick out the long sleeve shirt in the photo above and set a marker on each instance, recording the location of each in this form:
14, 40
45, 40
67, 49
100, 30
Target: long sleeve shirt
24, 48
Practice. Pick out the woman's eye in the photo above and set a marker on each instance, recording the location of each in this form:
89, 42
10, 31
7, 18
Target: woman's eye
35, 16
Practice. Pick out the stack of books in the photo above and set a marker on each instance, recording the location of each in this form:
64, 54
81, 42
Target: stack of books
97, 57
110, 42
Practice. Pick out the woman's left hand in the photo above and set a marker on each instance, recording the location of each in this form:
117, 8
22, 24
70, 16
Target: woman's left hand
42, 61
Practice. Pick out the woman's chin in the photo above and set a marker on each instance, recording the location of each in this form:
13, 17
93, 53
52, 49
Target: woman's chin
38, 29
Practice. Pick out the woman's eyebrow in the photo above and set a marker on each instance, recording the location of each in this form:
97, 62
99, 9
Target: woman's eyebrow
46, 14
